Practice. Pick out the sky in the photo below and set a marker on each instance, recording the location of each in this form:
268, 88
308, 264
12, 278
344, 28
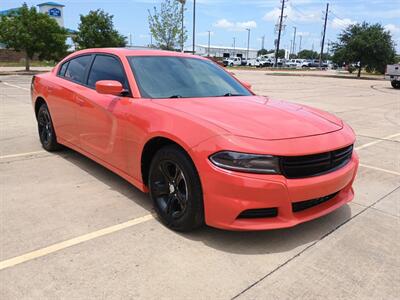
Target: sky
228, 19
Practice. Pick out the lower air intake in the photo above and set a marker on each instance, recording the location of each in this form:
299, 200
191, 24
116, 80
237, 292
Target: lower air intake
302, 205
259, 213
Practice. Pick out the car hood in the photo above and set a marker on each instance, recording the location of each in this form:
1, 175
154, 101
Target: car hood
257, 117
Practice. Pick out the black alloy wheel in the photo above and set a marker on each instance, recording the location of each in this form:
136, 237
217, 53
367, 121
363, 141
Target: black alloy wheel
175, 189
47, 134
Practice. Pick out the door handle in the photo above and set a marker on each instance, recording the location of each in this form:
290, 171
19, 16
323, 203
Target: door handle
80, 101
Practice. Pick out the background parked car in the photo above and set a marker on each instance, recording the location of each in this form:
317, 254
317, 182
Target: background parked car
232, 61
393, 74
294, 63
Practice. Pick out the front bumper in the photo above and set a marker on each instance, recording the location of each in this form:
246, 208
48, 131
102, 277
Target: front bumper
227, 194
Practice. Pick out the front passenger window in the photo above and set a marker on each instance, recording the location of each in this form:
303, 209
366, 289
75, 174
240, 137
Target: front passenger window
106, 68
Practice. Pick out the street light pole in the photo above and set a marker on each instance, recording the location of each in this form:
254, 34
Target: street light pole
294, 40
248, 42
234, 45
209, 39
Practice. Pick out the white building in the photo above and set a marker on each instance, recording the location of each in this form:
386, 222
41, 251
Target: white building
225, 51
54, 10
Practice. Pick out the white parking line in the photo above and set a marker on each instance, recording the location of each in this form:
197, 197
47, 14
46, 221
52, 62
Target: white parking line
380, 169
22, 154
74, 241
377, 142
15, 86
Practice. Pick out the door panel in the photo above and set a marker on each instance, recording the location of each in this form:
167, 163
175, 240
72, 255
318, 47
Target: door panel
63, 108
62, 97
99, 130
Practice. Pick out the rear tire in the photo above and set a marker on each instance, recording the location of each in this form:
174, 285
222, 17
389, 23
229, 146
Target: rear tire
395, 84
175, 189
47, 135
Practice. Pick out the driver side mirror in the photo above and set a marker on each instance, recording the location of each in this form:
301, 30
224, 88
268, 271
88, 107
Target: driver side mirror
110, 87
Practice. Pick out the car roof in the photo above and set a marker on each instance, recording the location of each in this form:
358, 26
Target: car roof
135, 52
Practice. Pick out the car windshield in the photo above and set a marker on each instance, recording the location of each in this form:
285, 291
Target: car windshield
162, 77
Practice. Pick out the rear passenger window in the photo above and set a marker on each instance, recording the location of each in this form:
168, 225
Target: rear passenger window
106, 68
63, 69
76, 68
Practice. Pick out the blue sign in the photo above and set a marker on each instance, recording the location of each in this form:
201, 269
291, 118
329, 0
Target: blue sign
55, 12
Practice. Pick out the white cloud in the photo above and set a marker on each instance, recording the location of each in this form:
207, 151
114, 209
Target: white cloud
205, 33
232, 26
392, 28
248, 24
294, 15
224, 23
304, 33
341, 23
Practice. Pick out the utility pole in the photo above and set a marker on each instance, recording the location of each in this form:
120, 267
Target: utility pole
209, 39
279, 34
323, 36
294, 40
130, 39
194, 27
262, 41
234, 46
248, 42
301, 37
182, 24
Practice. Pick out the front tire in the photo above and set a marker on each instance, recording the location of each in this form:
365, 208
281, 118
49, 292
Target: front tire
175, 189
47, 135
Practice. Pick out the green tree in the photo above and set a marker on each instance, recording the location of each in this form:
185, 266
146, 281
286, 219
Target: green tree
366, 45
34, 33
165, 25
307, 54
262, 52
281, 53
96, 30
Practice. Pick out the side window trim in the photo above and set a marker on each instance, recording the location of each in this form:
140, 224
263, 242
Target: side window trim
87, 71
89, 68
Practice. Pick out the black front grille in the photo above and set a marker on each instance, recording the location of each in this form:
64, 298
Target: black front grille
302, 205
259, 213
316, 164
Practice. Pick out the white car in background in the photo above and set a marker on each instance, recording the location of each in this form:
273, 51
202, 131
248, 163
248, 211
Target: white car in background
294, 63
232, 61
393, 74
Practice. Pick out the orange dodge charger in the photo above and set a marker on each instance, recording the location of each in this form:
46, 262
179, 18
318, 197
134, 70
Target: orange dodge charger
205, 147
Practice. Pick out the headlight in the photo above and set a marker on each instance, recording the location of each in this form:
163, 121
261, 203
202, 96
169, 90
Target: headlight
243, 162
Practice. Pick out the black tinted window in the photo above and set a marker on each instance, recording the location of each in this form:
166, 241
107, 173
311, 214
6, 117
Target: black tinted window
63, 69
181, 77
106, 68
76, 68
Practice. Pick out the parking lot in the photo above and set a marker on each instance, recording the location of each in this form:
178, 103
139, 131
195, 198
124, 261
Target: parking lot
72, 229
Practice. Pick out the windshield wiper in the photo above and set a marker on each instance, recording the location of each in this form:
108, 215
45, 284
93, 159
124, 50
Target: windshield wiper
232, 95
175, 96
